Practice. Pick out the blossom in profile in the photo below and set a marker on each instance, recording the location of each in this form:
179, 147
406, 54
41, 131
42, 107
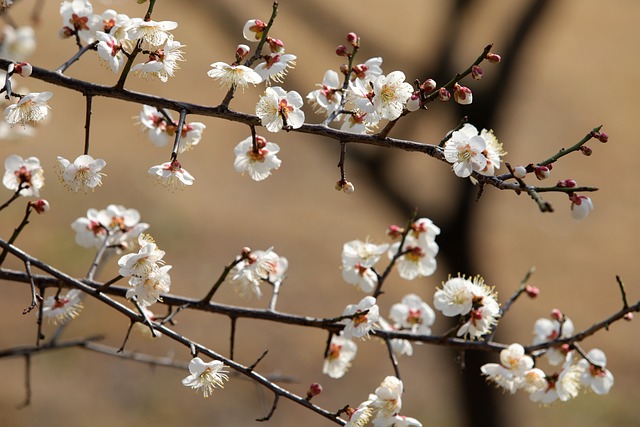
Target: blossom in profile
465, 150
206, 376
31, 109
368, 71
152, 33
276, 66
83, 174
58, 308
341, 353
358, 259
163, 62
110, 51
510, 372
253, 30
25, 175
594, 373
364, 316
172, 175
234, 75
256, 161
278, 109
328, 97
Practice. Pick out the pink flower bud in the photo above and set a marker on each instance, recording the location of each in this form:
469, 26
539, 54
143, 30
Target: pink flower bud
242, 51
556, 314
395, 231
531, 291
428, 86
567, 183
494, 58
476, 72
542, 172
628, 317
246, 251
444, 95
342, 50
314, 390
603, 137
353, 39
520, 172
587, 151
23, 68
40, 206
462, 94
275, 45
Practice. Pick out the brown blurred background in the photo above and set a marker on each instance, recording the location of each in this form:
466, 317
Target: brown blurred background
569, 66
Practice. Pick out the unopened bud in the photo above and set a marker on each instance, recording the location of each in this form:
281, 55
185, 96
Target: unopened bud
567, 183
428, 86
476, 72
556, 314
587, 151
462, 94
395, 231
246, 251
314, 390
348, 188
344, 69
23, 68
628, 317
520, 172
40, 206
603, 137
242, 51
414, 104
275, 45
444, 95
66, 32
342, 50
542, 172
353, 39
532, 291
494, 58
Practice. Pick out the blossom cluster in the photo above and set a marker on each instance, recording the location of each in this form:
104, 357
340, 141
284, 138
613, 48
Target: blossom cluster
383, 407
148, 276
114, 227
254, 267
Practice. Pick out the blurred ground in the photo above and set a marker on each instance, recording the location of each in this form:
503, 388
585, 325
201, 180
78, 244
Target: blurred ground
578, 72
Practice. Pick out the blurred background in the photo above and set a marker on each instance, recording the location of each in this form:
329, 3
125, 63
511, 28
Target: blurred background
569, 66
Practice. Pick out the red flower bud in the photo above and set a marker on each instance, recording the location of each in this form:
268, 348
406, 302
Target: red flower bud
342, 51
428, 86
531, 291
603, 137
444, 95
476, 72
494, 58
314, 390
587, 151
353, 39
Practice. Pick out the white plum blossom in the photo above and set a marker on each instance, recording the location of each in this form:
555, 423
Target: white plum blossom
550, 329
31, 109
278, 109
83, 174
465, 150
276, 66
341, 353
234, 75
369, 71
425, 232
246, 275
172, 175
162, 128
328, 98
361, 323
563, 386
206, 376
25, 175
417, 260
493, 152
358, 259
391, 94
388, 398
110, 51
594, 374
58, 308
163, 62
258, 162
454, 298
121, 226
412, 314
78, 18
510, 372
152, 33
